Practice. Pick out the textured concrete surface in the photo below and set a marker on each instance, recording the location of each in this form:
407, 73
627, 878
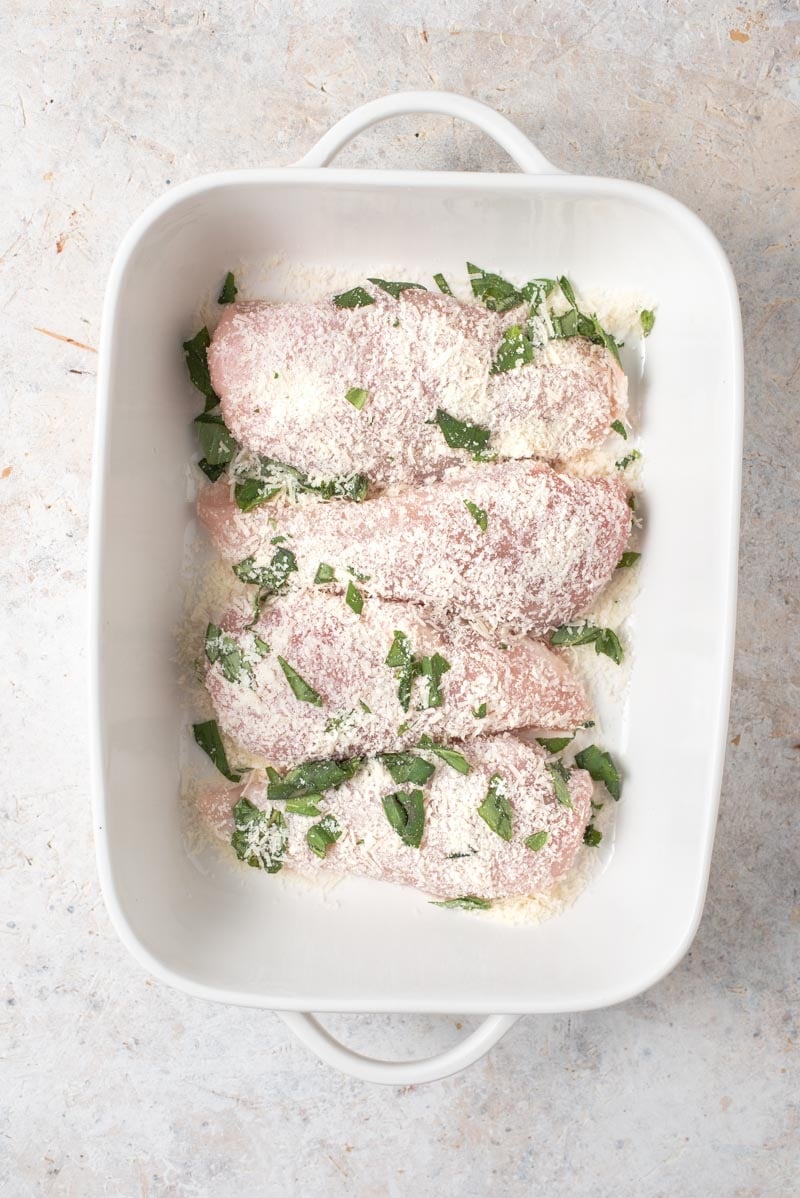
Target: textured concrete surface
112, 1084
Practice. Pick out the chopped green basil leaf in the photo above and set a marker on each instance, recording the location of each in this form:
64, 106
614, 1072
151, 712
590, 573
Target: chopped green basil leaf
496, 809
433, 668
195, 352
601, 768
354, 599
229, 290
405, 811
648, 319
216, 442
496, 293
357, 574
478, 514
554, 744
208, 738
253, 492
560, 778
604, 639
592, 836
394, 289
320, 836
537, 290
619, 427
480, 711
442, 283
224, 649
262, 648
407, 767
211, 472
629, 558
577, 324
357, 396
357, 297
401, 658
311, 778
273, 477
300, 688
364, 707
458, 435
536, 841
466, 902
272, 579
325, 573
259, 837
455, 760
608, 644
633, 456
516, 349
306, 805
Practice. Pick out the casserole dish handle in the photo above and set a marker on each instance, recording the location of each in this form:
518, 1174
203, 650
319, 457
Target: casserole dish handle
501, 130
397, 1073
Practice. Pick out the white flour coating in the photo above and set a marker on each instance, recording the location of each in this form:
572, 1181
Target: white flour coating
342, 657
284, 372
545, 546
460, 854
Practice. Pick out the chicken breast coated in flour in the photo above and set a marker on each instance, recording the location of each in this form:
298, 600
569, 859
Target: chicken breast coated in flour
312, 678
523, 843
511, 543
284, 372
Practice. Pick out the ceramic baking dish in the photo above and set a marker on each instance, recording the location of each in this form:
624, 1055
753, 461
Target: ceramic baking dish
227, 933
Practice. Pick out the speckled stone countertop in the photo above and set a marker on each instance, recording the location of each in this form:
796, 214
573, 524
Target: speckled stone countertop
110, 1083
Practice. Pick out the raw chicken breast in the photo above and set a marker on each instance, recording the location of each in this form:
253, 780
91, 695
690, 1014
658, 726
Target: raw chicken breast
310, 680
550, 543
459, 853
283, 372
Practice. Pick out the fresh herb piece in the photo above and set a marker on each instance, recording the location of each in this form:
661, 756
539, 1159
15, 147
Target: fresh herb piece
554, 744
537, 290
592, 836
401, 658
356, 297
407, 767
601, 768
433, 668
364, 707
619, 427
648, 319
452, 758
478, 514
357, 396
496, 293
496, 810
629, 558
325, 573
536, 841
224, 649
261, 646
354, 599
403, 728
253, 492
458, 435
229, 290
211, 472
560, 778
633, 456
632, 502
394, 289
300, 688
575, 323
442, 283
208, 738
272, 477
277, 540
320, 836
272, 579
516, 349
466, 902
216, 441
357, 574
311, 778
336, 722
306, 806
480, 711
605, 640
195, 351
405, 811
259, 837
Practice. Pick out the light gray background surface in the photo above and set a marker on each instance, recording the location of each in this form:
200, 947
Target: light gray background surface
109, 1082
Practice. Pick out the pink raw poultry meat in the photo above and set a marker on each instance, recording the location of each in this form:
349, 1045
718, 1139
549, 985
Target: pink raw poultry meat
283, 372
350, 702
459, 853
550, 543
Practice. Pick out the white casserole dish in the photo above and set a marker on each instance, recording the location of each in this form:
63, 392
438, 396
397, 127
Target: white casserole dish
225, 933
